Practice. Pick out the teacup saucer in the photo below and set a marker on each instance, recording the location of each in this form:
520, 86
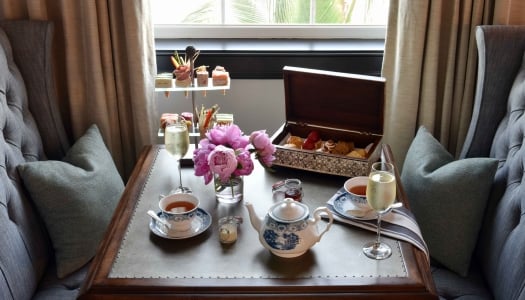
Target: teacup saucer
200, 223
343, 204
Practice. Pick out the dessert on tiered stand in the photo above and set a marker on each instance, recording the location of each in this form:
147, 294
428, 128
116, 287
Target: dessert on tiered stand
182, 70
219, 76
168, 118
190, 79
202, 75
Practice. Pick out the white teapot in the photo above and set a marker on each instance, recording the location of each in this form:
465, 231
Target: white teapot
287, 230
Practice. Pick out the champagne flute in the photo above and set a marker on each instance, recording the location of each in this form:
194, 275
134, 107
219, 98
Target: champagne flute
380, 195
177, 142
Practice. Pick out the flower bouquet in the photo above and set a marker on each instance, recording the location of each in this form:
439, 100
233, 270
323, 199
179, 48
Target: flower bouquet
224, 155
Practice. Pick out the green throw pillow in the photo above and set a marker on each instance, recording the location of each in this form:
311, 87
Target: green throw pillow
76, 198
448, 198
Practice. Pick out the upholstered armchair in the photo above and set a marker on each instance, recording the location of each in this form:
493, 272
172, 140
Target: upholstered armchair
492, 214
43, 177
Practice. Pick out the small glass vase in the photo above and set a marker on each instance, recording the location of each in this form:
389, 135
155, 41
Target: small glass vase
230, 191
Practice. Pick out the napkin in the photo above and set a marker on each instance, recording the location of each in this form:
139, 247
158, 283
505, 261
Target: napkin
400, 224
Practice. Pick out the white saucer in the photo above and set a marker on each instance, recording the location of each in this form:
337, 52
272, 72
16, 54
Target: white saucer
343, 203
200, 223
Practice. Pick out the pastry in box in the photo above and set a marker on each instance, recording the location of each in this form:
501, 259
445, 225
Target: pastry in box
334, 122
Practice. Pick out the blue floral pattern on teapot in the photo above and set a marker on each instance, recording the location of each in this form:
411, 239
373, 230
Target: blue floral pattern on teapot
283, 236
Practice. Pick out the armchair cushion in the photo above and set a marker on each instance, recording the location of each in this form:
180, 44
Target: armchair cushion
450, 285
448, 198
76, 198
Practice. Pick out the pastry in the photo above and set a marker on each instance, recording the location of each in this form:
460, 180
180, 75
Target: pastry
293, 146
357, 153
361, 152
164, 80
308, 145
297, 141
182, 71
167, 118
202, 76
182, 80
188, 118
342, 147
224, 119
311, 139
314, 142
313, 136
319, 144
219, 76
328, 146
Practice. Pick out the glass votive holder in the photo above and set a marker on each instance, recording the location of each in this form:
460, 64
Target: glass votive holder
228, 229
292, 188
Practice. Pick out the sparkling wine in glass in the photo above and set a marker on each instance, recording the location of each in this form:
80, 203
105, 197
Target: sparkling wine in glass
380, 194
177, 142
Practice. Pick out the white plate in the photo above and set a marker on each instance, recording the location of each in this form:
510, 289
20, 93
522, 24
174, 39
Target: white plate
200, 223
343, 203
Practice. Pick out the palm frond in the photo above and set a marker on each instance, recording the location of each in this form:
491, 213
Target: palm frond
202, 15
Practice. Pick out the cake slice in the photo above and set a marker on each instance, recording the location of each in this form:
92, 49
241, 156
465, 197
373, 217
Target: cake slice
219, 76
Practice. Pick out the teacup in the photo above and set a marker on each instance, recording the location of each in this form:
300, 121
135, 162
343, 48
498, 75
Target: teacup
356, 189
179, 210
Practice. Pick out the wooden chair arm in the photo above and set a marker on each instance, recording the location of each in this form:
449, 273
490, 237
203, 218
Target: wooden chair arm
387, 155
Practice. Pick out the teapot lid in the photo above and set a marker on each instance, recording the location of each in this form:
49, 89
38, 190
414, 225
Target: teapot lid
289, 210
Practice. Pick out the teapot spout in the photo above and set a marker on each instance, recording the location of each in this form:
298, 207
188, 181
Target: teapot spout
254, 219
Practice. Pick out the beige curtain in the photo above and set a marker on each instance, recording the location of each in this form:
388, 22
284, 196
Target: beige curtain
430, 64
105, 68
509, 12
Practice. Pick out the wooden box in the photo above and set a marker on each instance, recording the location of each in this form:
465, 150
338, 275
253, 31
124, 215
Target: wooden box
341, 107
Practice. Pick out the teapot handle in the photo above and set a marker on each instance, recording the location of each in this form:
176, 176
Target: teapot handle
317, 216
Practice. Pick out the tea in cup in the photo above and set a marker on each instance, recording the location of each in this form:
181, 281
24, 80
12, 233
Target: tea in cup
179, 210
356, 189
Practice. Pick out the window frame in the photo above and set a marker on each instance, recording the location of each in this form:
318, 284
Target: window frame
171, 31
261, 51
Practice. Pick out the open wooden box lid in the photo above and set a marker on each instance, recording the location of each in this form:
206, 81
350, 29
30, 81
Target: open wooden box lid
343, 108
334, 100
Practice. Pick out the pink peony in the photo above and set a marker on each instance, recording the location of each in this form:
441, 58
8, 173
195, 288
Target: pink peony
228, 135
245, 164
200, 159
259, 139
223, 162
226, 152
263, 146
266, 160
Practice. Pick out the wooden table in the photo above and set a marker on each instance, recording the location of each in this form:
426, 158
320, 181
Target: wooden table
133, 263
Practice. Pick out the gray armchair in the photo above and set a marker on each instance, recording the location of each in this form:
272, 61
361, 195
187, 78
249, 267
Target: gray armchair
31, 129
497, 130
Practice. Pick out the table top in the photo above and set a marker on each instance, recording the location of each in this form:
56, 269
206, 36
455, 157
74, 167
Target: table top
134, 261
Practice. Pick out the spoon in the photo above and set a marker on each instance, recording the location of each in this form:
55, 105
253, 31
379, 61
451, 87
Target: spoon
361, 213
158, 219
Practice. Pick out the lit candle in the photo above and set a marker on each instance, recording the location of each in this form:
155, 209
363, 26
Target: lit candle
228, 229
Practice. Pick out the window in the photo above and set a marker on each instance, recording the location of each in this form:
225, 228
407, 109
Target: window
256, 38
270, 18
